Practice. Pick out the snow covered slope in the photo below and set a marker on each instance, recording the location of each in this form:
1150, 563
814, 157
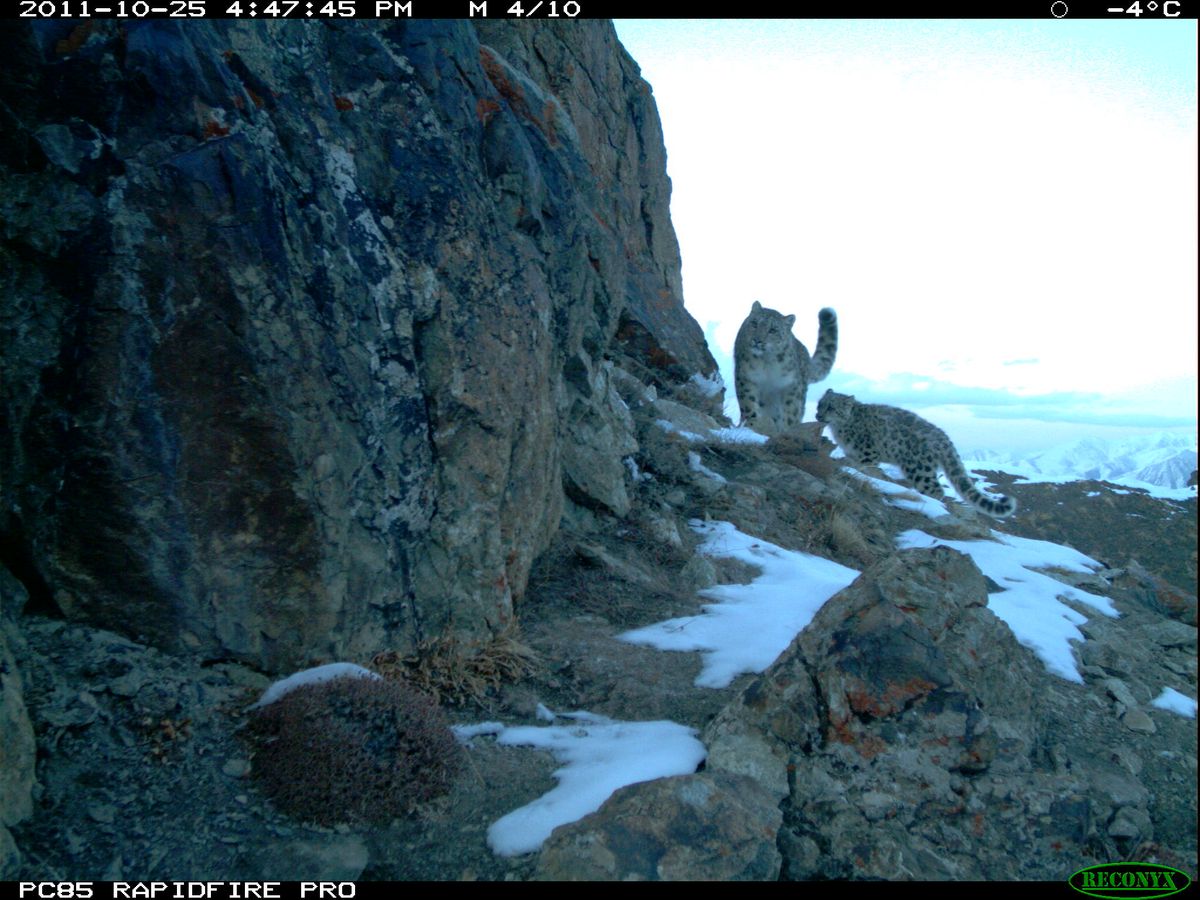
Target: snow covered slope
1160, 463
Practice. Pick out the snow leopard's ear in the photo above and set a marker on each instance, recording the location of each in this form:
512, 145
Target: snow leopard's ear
789, 321
757, 307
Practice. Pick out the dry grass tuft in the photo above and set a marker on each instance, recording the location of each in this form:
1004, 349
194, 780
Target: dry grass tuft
846, 538
460, 670
805, 449
811, 528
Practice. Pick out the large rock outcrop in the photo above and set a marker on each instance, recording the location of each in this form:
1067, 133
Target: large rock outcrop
17, 754
17, 748
909, 736
305, 323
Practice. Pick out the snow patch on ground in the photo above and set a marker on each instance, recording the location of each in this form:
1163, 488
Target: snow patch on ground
750, 624
1158, 463
600, 756
902, 497
1171, 699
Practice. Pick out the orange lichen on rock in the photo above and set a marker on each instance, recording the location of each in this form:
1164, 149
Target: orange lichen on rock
498, 78
515, 97
868, 745
214, 129
76, 39
893, 699
549, 113
485, 108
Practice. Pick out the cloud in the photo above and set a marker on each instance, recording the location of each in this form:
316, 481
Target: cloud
912, 391
907, 388
1077, 416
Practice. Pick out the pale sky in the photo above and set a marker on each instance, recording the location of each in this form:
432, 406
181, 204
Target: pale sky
1003, 213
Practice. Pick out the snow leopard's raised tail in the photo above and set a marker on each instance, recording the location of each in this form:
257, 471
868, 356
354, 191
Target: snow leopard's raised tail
827, 344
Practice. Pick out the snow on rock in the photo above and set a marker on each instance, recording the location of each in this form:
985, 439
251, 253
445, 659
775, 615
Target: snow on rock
670, 428
739, 434
635, 473
902, 497
750, 624
1029, 602
312, 676
709, 386
696, 465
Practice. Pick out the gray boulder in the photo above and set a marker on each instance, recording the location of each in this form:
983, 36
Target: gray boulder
703, 827
909, 736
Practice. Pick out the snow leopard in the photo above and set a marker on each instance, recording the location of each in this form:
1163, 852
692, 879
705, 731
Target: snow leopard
870, 433
772, 370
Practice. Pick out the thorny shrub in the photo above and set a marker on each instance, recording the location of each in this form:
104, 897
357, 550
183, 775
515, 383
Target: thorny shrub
353, 750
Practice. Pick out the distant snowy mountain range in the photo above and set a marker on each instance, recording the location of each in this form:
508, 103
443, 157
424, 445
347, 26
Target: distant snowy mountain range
1162, 461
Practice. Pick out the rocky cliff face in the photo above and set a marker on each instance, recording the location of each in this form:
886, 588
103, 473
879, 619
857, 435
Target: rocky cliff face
305, 324
904, 733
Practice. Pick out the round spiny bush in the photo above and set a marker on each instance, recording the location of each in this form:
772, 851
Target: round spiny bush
353, 750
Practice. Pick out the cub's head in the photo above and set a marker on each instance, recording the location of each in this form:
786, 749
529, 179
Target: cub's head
767, 329
832, 406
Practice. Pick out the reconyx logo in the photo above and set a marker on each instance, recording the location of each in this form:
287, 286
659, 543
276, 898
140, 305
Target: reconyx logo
1129, 881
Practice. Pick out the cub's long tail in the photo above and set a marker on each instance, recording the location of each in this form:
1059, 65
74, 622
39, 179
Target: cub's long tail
826, 349
998, 506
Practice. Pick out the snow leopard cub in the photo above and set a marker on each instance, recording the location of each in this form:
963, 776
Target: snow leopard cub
870, 433
772, 370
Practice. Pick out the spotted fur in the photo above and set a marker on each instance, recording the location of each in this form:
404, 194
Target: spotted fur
870, 433
772, 370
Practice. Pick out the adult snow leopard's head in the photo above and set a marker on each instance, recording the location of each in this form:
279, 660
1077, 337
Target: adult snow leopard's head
768, 330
